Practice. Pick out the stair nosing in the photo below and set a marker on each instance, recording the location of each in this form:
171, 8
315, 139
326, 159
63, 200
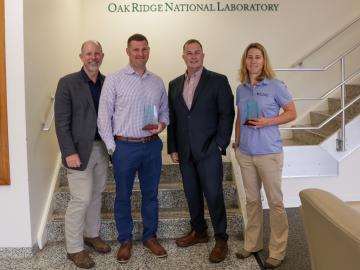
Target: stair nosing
164, 214
163, 186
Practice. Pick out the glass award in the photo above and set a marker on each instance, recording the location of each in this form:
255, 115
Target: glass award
150, 121
252, 111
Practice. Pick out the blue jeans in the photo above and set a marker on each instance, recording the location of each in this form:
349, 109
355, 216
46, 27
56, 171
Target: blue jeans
144, 158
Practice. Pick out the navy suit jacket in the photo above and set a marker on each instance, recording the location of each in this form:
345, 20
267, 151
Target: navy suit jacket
208, 124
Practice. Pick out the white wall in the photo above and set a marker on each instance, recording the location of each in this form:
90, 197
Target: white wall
14, 199
53, 33
346, 185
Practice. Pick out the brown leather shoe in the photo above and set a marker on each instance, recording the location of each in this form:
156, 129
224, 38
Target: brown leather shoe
97, 244
219, 252
81, 259
153, 245
124, 252
192, 238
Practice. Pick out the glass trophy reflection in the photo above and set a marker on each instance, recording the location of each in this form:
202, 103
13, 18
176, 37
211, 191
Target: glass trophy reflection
252, 111
150, 118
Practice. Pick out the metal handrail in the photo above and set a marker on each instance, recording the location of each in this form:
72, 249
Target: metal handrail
50, 117
325, 121
340, 142
332, 63
350, 78
300, 62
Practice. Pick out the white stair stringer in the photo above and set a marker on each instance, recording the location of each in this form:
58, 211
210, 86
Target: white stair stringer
308, 161
323, 167
352, 141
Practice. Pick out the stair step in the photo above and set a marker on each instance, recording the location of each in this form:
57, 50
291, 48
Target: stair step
352, 91
169, 172
313, 137
292, 142
173, 214
172, 223
171, 194
309, 137
335, 104
318, 117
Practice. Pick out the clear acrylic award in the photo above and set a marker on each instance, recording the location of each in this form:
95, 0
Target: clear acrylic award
252, 111
150, 121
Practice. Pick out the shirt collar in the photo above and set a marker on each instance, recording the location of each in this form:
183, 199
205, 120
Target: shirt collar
130, 71
262, 82
86, 77
196, 74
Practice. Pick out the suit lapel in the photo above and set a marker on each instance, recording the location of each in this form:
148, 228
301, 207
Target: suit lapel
180, 90
200, 86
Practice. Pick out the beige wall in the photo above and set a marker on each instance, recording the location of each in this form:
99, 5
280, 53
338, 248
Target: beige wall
45, 46
47, 40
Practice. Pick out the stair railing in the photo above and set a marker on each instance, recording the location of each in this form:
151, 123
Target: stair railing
340, 142
335, 35
50, 116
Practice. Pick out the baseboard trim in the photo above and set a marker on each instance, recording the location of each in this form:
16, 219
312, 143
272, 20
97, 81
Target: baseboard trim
18, 252
42, 233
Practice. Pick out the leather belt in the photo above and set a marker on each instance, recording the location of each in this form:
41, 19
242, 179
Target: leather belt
129, 139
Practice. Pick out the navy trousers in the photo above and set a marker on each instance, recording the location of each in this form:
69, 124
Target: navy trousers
205, 178
145, 159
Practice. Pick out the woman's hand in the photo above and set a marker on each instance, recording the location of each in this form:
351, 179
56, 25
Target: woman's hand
259, 122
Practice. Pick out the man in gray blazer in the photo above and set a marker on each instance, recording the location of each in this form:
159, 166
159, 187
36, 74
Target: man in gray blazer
83, 154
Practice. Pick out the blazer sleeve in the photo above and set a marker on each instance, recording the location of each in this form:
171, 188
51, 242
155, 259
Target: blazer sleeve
226, 114
63, 117
171, 129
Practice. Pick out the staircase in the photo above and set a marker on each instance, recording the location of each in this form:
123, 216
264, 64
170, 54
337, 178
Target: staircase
315, 137
173, 214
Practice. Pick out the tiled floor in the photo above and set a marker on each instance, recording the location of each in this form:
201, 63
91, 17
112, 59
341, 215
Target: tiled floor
196, 257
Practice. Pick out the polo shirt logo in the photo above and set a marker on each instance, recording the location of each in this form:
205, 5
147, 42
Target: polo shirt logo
262, 94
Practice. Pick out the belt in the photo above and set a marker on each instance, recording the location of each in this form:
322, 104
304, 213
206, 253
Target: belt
129, 139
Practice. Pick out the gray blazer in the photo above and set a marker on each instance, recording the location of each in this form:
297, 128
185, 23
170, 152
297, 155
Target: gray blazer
75, 117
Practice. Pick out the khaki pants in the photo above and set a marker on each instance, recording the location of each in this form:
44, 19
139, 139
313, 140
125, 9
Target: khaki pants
266, 170
82, 216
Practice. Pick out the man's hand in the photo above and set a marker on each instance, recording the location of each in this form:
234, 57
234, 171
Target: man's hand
174, 157
73, 161
161, 127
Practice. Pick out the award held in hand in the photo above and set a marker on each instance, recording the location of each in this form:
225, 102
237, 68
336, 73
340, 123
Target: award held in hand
150, 118
252, 111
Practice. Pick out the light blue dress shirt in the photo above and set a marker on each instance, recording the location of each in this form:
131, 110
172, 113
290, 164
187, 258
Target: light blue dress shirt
270, 96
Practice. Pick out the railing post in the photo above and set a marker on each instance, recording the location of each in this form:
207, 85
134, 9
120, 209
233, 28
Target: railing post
340, 142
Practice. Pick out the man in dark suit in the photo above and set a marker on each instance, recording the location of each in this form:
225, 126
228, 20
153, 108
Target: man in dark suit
83, 154
201, 119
